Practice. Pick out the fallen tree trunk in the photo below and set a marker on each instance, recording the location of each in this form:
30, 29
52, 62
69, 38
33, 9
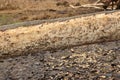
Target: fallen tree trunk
60, 34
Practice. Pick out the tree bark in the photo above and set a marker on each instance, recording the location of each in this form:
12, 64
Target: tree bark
60, 34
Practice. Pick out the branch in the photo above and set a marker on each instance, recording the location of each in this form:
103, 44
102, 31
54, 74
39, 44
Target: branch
95, 5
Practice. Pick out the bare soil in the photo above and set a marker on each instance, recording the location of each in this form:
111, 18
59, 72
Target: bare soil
88, 62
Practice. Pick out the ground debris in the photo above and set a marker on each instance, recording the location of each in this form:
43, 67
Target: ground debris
91, 62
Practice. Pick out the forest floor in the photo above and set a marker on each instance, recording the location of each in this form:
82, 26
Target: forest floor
99, 61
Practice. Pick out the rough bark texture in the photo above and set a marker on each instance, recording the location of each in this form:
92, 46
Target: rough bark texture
60, 34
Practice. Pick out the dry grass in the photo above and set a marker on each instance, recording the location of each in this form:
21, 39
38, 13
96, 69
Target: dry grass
24, 4
24, 10
38, 4
11, 4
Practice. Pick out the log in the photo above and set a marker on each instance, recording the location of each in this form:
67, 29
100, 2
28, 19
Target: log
60, 34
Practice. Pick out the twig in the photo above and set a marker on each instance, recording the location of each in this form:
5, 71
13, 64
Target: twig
87, 5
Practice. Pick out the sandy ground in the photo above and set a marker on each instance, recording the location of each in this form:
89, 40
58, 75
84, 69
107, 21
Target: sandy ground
89, 62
